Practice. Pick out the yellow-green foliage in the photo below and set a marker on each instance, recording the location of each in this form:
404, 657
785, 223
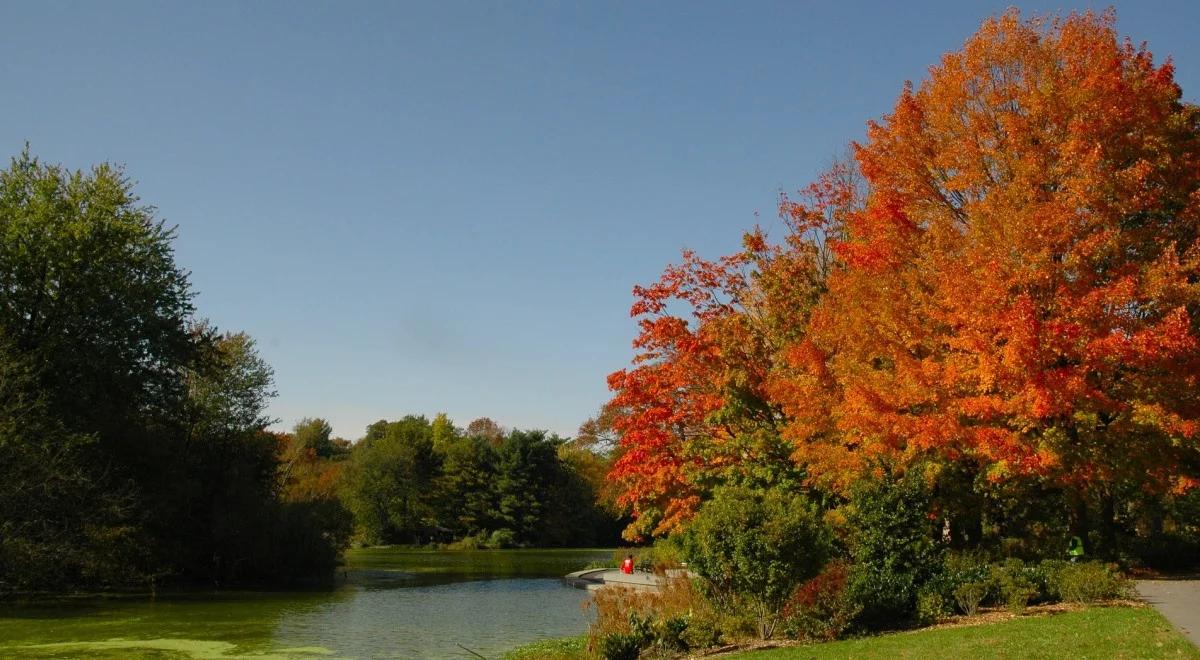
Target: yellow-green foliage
627, 610
1091, 582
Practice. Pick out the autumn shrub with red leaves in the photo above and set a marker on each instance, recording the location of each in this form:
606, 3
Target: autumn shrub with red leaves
821, 609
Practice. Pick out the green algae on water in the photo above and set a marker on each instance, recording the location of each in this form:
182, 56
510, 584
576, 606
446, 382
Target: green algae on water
198, 649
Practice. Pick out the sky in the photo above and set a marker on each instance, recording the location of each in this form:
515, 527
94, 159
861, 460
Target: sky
443, 207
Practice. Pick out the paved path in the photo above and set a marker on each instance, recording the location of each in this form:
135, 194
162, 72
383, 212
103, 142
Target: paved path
1178, 600
596, 578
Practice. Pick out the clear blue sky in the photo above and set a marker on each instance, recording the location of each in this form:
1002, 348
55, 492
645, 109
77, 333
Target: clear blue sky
443, 207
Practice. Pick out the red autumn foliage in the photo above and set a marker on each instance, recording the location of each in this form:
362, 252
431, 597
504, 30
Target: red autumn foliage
1014, 284
1021, 286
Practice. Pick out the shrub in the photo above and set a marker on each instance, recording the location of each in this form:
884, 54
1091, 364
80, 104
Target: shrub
892, 548
821, 609
936, 599
621, 646
967, 581
502, 538
1015, 584
663, 633
1171, 551
932, 607
1050, 572
737, 621
703, 631
669, 633
674, 617
468, 542
665, 554
1016, 598
754, 548
969, 595
967, 566
613, 606
1090, 582
1037, 575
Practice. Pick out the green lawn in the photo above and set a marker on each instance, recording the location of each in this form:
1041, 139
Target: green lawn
568, 648
1102, 632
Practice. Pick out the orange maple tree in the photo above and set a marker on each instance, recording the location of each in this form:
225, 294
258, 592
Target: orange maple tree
697, 410
664, 401
1013, 286
1022, 285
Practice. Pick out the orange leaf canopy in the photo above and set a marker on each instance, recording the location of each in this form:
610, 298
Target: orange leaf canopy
1014, 285
1022, 285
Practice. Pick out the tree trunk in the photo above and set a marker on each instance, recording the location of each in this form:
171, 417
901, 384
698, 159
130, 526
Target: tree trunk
1108, 524
1079, 516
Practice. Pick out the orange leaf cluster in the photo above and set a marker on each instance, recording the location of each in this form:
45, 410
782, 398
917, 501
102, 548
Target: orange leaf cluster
1015, 281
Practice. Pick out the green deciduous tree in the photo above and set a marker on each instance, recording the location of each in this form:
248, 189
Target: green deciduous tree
60, 524
486, 428
525, 470
468, 485
131, 437
93, 318
91, 297
444, 432
754, 548
313, 435
390, 481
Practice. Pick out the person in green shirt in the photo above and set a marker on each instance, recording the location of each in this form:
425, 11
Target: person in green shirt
1075, 549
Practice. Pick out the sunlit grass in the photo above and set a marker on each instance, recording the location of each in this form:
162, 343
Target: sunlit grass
1102, 632
568, 648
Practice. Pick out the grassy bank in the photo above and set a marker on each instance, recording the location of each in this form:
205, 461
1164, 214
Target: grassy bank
567, 648
1100, 632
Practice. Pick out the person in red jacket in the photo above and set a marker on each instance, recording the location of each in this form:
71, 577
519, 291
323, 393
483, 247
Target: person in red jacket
627, 565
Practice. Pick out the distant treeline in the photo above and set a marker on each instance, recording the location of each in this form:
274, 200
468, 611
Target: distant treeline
417, 481
133, 449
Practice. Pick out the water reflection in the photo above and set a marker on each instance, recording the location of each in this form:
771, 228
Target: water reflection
487, 617
392, 603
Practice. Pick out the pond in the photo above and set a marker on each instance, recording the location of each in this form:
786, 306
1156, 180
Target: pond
393, 603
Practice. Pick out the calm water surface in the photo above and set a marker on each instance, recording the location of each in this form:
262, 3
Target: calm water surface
395, 603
